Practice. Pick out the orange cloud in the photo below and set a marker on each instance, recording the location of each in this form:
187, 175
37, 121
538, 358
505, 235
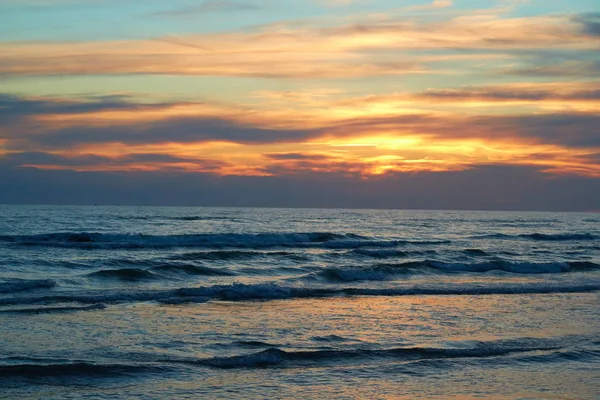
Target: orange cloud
322, 131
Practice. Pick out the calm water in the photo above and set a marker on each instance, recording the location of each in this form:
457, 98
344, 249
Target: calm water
142, 302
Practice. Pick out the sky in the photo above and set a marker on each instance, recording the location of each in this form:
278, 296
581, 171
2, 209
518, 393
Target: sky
444, 104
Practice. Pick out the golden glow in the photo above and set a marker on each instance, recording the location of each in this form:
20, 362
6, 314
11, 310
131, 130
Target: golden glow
362, 136
357, 155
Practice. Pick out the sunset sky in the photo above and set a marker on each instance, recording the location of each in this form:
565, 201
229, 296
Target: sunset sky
464, 104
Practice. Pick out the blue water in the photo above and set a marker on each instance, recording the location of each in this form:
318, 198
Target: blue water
144, 302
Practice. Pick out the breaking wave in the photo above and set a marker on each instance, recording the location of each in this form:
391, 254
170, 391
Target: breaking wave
259, 240
247, 292
543, 236
477, 349
383, 272
529, 350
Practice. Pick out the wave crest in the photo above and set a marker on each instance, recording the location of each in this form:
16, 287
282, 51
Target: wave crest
542, 236
21, 285
382, 272
477, 349
250, 292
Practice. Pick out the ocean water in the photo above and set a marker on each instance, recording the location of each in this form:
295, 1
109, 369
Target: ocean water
162, 303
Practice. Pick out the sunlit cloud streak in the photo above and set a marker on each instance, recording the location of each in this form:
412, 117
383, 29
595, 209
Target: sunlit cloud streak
308, 52
247, 143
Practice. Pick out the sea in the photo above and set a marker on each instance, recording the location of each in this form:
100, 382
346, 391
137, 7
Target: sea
254, 303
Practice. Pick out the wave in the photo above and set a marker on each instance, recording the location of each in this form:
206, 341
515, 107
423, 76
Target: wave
136, 268
191, 269
252, 343
380, 253
375, 273
332, 338
582, 265
35, 371
249, 292
562, 237
384, 272
181, 218
278, 357
202, 218
386, 253
125, 274
327, 240
516, 350
506, 266
570, 355
87, 240
184, 300
48, 310
224, 255
542, 236
21, 285
475, 252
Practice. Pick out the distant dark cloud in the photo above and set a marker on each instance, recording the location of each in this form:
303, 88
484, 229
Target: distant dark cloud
590, 23
178, 130
89, 160
41, 158
483, 188
573, 130
14, 108
19, 125
579, 130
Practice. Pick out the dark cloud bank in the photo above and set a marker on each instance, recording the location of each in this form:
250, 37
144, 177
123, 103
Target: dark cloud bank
483, 188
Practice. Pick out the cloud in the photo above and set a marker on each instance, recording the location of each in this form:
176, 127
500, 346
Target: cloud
296, 156
129, 162
556, 96
365, 136
590, 23
42, 158
526, 92
369, 143
571, 130
57, 123
576, 68
179, 130
373, 47
576, 130
15, 108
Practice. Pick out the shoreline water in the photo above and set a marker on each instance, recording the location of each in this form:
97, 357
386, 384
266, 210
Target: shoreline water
270, 303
